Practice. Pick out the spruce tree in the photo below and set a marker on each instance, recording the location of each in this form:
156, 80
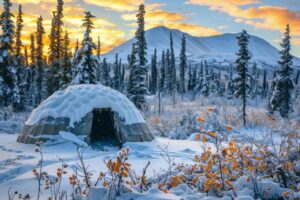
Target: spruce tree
40, 62
296, 80
154, 74
138, 68
8, 79
26, 57
86, 69
116, 74
66, 61
173, 82
104, 73
190, 78
32, 50
264, 91
162, 72
98, 47
242, 80
183, 66
19, 27
283, 83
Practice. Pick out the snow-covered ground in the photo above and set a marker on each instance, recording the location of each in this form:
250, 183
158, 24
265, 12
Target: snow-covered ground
17, 160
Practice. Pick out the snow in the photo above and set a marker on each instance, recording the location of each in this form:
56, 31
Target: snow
219, 49
76, 101
72, 138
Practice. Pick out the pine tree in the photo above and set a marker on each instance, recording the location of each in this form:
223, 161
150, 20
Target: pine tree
98, 47
190, 78
40, 62
141, 44
183, 66
296, 80
8, 79
104, 73
66, 62
26, 57
264, 92
86, 69
243, 57
32, 50
154, 74
30, 78
52, 45
58, 29
162, 72
19, 27
76, 47
138, 69
172, 70
284, 85
116, 74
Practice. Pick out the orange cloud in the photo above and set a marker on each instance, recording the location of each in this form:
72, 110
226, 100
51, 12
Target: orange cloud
38, 1
171, 20
263, 17
116, 5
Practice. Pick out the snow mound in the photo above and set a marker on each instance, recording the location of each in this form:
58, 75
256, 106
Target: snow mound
76, 101
72, 138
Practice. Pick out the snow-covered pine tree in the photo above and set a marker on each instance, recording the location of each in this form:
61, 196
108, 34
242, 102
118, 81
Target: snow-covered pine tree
66, 61
230, 84
182, 66
284, 85
32, 50
19, 27
141, 44
264, 90
242, 79
76, 47
190, 78
59, 38
40, 63
86, 69
162, 72
104, 73
30, 77
138, 68
8, 79
254, 85
123, 78
154, 74
21, 72
116, 74
296, 79
173, 82
206, 80
195, 78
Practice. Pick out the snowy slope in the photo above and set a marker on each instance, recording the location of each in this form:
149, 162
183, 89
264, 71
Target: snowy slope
217, 49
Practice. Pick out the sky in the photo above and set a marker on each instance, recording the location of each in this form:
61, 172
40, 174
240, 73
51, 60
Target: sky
115, 19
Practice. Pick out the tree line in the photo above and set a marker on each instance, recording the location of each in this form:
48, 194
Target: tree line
27, 76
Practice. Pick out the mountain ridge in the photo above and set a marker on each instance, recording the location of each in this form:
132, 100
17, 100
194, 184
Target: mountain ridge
219, 49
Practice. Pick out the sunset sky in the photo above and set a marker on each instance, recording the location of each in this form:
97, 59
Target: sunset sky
115, 21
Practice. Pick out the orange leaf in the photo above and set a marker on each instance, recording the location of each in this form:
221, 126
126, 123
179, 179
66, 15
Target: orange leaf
197, 137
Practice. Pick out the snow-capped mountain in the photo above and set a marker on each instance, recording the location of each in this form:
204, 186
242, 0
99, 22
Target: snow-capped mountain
219, 49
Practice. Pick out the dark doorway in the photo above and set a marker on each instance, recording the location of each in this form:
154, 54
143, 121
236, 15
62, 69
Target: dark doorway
103, 128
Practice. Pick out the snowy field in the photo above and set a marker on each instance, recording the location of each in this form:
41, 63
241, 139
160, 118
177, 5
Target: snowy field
18, 160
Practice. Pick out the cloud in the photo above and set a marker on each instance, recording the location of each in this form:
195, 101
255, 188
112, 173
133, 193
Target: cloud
116, 5
39, 1
171, 20
262, 17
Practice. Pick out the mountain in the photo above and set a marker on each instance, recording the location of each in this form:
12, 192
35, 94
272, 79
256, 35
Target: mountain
219, 49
